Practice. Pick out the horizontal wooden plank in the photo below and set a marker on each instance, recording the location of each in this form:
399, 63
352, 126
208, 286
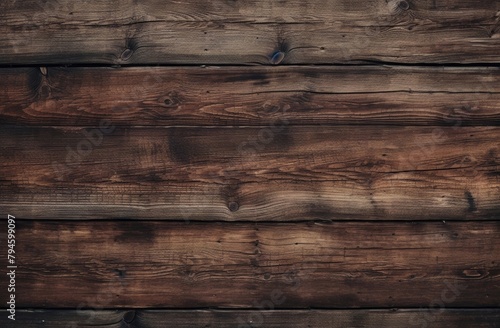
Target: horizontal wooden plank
67, 319
279, 173
261, 31
251, 96
134, 264
443, 318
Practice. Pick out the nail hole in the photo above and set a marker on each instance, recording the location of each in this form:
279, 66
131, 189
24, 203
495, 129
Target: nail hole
233, 206
171, 100
129, 316
126, 54
277, 57
404, 5
121, 273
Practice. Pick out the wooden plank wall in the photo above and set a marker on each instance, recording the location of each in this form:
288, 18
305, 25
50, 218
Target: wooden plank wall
321, 163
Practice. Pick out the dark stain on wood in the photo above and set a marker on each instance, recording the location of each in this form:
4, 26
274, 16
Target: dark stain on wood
143, 233
470, 201
121, 273
320, 210
153, 177
179, 147
256, 78
35, 78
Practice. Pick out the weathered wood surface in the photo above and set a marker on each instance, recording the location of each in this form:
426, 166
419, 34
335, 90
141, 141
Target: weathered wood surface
435, 318
239, 32
136, 264
349, 188
364, 95
265, 174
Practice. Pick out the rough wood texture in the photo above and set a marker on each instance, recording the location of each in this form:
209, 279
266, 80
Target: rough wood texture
293, 265
194, 195
239, 32
70, 319
263, 174
365, 95
456, 318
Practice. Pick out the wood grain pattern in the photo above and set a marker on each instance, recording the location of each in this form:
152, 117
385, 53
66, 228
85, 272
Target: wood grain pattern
256, 174
363, 95
338, 168
457, 318
134, 264
261, 31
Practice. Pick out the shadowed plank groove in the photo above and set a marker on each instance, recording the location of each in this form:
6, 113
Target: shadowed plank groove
267, 174
237, 32
457, 318
251, 96
137, 264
